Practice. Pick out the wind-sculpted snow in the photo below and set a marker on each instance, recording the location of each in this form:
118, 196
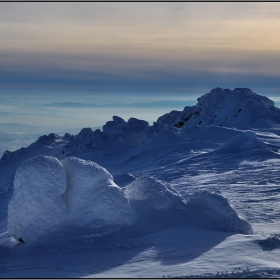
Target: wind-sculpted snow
50, 194
131, 132
156, 198
244, 141
46, 197
123, 179
153, 192
222, 107
92, 195
212, 210
37, 206
160, 133
181, 187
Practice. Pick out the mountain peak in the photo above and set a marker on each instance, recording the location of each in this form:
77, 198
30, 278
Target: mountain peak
224, 107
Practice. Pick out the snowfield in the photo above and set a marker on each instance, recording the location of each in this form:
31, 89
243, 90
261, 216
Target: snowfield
196, 194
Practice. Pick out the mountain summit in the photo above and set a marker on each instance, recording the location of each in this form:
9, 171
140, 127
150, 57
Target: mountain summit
224, 107
220, 108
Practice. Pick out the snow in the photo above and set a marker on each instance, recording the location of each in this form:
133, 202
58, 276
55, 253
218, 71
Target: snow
123, 179
231, 108
49, 194
190, 199
92, 195
37, 206
214, 211
246, 140
155, 193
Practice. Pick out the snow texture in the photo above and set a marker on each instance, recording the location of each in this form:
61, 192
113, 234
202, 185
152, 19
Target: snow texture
37, 206
50, 194
225, 149
223, 107
131, 132
153, 192
123, 179
92, 195
212, 210
244, 141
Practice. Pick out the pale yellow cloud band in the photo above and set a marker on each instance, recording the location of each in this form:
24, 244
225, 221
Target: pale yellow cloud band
227, 33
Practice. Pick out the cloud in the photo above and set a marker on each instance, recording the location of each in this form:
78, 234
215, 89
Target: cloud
138, 46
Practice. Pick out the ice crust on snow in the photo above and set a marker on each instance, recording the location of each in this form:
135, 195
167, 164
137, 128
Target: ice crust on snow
50, 194
214, 211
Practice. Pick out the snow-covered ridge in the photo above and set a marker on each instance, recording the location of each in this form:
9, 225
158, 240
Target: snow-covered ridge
238, 108
131, 195
224, 107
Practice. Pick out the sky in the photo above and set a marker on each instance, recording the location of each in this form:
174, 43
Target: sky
133, 48
125, 53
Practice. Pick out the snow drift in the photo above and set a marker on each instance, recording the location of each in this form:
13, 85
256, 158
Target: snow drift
47, 197
213, 211
244, 141
153, 193
50, 194
158, 199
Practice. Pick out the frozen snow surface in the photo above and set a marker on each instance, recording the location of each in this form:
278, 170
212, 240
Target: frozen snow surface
195, 194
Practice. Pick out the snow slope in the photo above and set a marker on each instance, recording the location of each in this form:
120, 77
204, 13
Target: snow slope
182, 197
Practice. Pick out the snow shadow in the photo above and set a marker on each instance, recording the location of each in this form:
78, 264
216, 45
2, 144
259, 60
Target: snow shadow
91, 256
270, 243
185, 243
